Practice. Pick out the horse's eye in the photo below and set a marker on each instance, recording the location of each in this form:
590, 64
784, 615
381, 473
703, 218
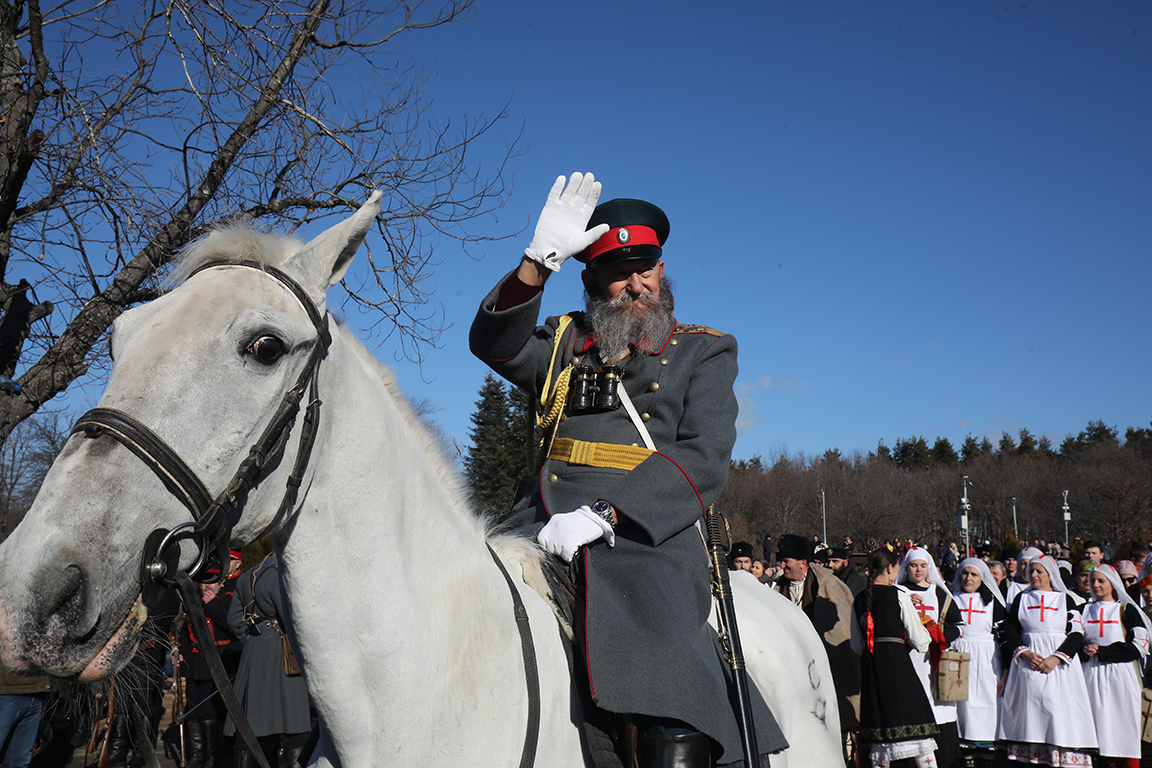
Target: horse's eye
267, 349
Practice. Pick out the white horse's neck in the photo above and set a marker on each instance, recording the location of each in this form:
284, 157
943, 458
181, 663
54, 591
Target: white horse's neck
399, 611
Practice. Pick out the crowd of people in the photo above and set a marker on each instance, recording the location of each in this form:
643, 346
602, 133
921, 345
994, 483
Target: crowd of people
1056, 651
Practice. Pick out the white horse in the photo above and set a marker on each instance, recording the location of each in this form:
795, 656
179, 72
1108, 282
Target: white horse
403, 623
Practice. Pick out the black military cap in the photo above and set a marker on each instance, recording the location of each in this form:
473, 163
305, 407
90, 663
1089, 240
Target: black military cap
741, 549
840, 552
795, 547
638, 230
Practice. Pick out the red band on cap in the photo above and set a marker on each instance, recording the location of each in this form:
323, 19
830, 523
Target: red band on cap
621, 237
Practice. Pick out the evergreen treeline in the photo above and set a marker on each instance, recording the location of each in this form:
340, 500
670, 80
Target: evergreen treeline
914, 490
910, 490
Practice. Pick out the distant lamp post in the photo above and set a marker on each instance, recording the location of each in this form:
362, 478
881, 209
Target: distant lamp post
824, 514
965, 508
1015, 528
1067, 517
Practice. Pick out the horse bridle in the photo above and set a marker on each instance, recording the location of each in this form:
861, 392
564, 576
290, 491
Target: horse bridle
214, 519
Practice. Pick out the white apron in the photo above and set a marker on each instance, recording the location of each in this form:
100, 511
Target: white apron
1114, 690
1049, 709
978, 716
945, 711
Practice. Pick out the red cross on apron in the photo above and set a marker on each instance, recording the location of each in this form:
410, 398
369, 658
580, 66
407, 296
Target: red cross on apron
1100, 621
970, 610
1042, 608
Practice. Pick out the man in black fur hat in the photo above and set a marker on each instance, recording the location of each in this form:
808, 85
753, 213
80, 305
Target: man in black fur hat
827, 602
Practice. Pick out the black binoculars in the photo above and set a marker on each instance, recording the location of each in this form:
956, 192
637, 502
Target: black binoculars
592, 390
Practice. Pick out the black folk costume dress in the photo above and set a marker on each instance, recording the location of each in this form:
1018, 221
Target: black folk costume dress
896, 717
647, 646
1113, 673
1046, 718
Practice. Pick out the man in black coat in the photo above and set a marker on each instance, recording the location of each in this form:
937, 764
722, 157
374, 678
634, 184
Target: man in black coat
639, 414
840, 563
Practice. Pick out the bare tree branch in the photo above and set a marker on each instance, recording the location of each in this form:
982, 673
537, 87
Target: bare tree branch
128, 128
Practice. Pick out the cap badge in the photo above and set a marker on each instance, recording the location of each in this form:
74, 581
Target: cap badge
622, 236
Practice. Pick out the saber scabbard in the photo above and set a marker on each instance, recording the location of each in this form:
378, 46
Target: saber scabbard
730, 634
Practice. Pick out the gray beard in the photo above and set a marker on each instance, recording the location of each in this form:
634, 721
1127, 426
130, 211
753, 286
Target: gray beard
616, 324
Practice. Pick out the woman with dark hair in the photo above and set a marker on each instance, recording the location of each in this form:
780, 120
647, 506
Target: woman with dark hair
895, 715
1115, 639
982, 608
1046, 718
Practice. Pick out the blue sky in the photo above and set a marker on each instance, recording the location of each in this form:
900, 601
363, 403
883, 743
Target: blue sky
917, 218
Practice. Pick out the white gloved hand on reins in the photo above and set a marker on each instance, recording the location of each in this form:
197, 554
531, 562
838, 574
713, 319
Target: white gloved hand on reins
562, 230
568, 531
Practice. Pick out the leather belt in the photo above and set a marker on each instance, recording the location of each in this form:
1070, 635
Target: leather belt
604, 455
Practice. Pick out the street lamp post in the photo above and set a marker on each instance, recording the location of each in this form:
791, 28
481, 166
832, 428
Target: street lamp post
1015, 528
824, 514
1067, 517
965, 508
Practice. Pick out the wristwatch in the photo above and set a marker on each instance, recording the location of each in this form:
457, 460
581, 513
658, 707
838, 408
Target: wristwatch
603, 510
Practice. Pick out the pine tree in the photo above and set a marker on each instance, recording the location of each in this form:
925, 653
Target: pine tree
942, 454
1028, 445
492, 463
970, 449
912, 453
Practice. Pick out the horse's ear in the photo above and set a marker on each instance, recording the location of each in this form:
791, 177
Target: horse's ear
327, 257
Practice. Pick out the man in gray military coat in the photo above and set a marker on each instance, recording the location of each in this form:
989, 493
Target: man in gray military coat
639, 415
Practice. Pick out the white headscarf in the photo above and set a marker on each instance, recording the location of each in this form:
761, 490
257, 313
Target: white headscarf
1028, 555
1118, 590
1053, 572
919, 553
986, 579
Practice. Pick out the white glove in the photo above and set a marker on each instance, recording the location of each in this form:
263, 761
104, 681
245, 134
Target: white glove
568, 531
562, 230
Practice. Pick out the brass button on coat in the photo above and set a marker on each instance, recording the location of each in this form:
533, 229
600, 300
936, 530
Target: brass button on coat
553, 478
663, 361
654, 386
644, 417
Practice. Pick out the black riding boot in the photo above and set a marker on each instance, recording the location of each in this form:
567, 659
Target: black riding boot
290, 757
118, 743
681, 750
194, 744
241, 757
209, 730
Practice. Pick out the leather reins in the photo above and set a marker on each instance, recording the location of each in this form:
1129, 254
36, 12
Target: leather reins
214, 519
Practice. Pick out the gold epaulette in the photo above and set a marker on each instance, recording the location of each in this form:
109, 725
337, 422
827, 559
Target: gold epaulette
693, 328
603, 455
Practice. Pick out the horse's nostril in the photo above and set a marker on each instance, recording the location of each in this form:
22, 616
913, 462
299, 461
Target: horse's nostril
69, 600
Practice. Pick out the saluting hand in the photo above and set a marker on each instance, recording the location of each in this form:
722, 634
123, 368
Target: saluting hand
562, 230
